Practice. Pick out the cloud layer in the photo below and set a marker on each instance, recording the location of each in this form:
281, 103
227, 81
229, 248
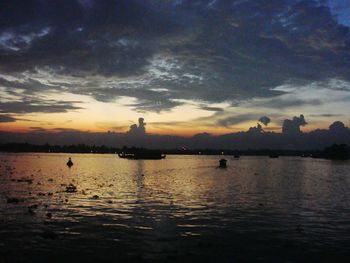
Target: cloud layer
254, 138
163, 54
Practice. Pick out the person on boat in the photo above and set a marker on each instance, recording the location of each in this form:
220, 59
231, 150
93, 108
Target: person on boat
70, 163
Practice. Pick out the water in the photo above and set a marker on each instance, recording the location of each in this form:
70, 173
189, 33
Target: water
181, 208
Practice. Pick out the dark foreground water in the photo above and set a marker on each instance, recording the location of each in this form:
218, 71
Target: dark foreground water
182, 208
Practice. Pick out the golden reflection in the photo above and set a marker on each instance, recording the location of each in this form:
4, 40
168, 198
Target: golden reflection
183, 185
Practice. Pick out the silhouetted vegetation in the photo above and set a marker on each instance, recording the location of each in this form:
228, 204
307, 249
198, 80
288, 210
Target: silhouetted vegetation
80, 148
336, 151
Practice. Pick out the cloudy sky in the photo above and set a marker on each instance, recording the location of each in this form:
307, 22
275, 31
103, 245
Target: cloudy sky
186, 66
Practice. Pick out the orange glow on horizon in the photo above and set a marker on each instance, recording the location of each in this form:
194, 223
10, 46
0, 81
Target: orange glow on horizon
23, 127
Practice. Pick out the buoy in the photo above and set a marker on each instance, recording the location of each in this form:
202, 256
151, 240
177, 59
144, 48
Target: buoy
69, 163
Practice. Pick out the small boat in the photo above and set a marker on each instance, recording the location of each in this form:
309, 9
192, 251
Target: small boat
273, 155
222, 163
143, 155
236, 156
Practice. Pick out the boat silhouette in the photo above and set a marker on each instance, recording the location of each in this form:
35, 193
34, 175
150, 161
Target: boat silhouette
142, 154
223, 163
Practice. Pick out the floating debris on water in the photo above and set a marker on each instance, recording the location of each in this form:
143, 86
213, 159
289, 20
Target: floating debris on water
25, 180
71, 188
14, 200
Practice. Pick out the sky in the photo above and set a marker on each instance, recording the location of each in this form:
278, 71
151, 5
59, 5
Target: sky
186, 67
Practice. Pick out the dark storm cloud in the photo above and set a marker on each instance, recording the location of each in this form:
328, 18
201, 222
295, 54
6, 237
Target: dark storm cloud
7, 118
102, 38
56, 130
29, 86
232, 120
265, 120
38, 129
291, 127
138, 130
326, 115
279, 103
256, 129
148, 100
155, 106
211, 51
215, 109
36, 105
65, 130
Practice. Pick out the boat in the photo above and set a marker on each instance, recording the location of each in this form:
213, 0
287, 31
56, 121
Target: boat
222, 163
142, 155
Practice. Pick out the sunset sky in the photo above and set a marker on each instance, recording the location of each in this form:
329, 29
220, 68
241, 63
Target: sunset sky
187, 67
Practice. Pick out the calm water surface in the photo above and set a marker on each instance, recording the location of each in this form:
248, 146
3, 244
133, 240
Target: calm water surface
181, 208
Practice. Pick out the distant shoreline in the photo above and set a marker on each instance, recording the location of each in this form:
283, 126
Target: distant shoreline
88, 149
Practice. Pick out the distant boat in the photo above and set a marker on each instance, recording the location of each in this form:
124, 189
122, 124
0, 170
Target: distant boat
143, 154
222, 163
273, 155
236, 156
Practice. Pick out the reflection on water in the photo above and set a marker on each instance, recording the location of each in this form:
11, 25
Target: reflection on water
179, 208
